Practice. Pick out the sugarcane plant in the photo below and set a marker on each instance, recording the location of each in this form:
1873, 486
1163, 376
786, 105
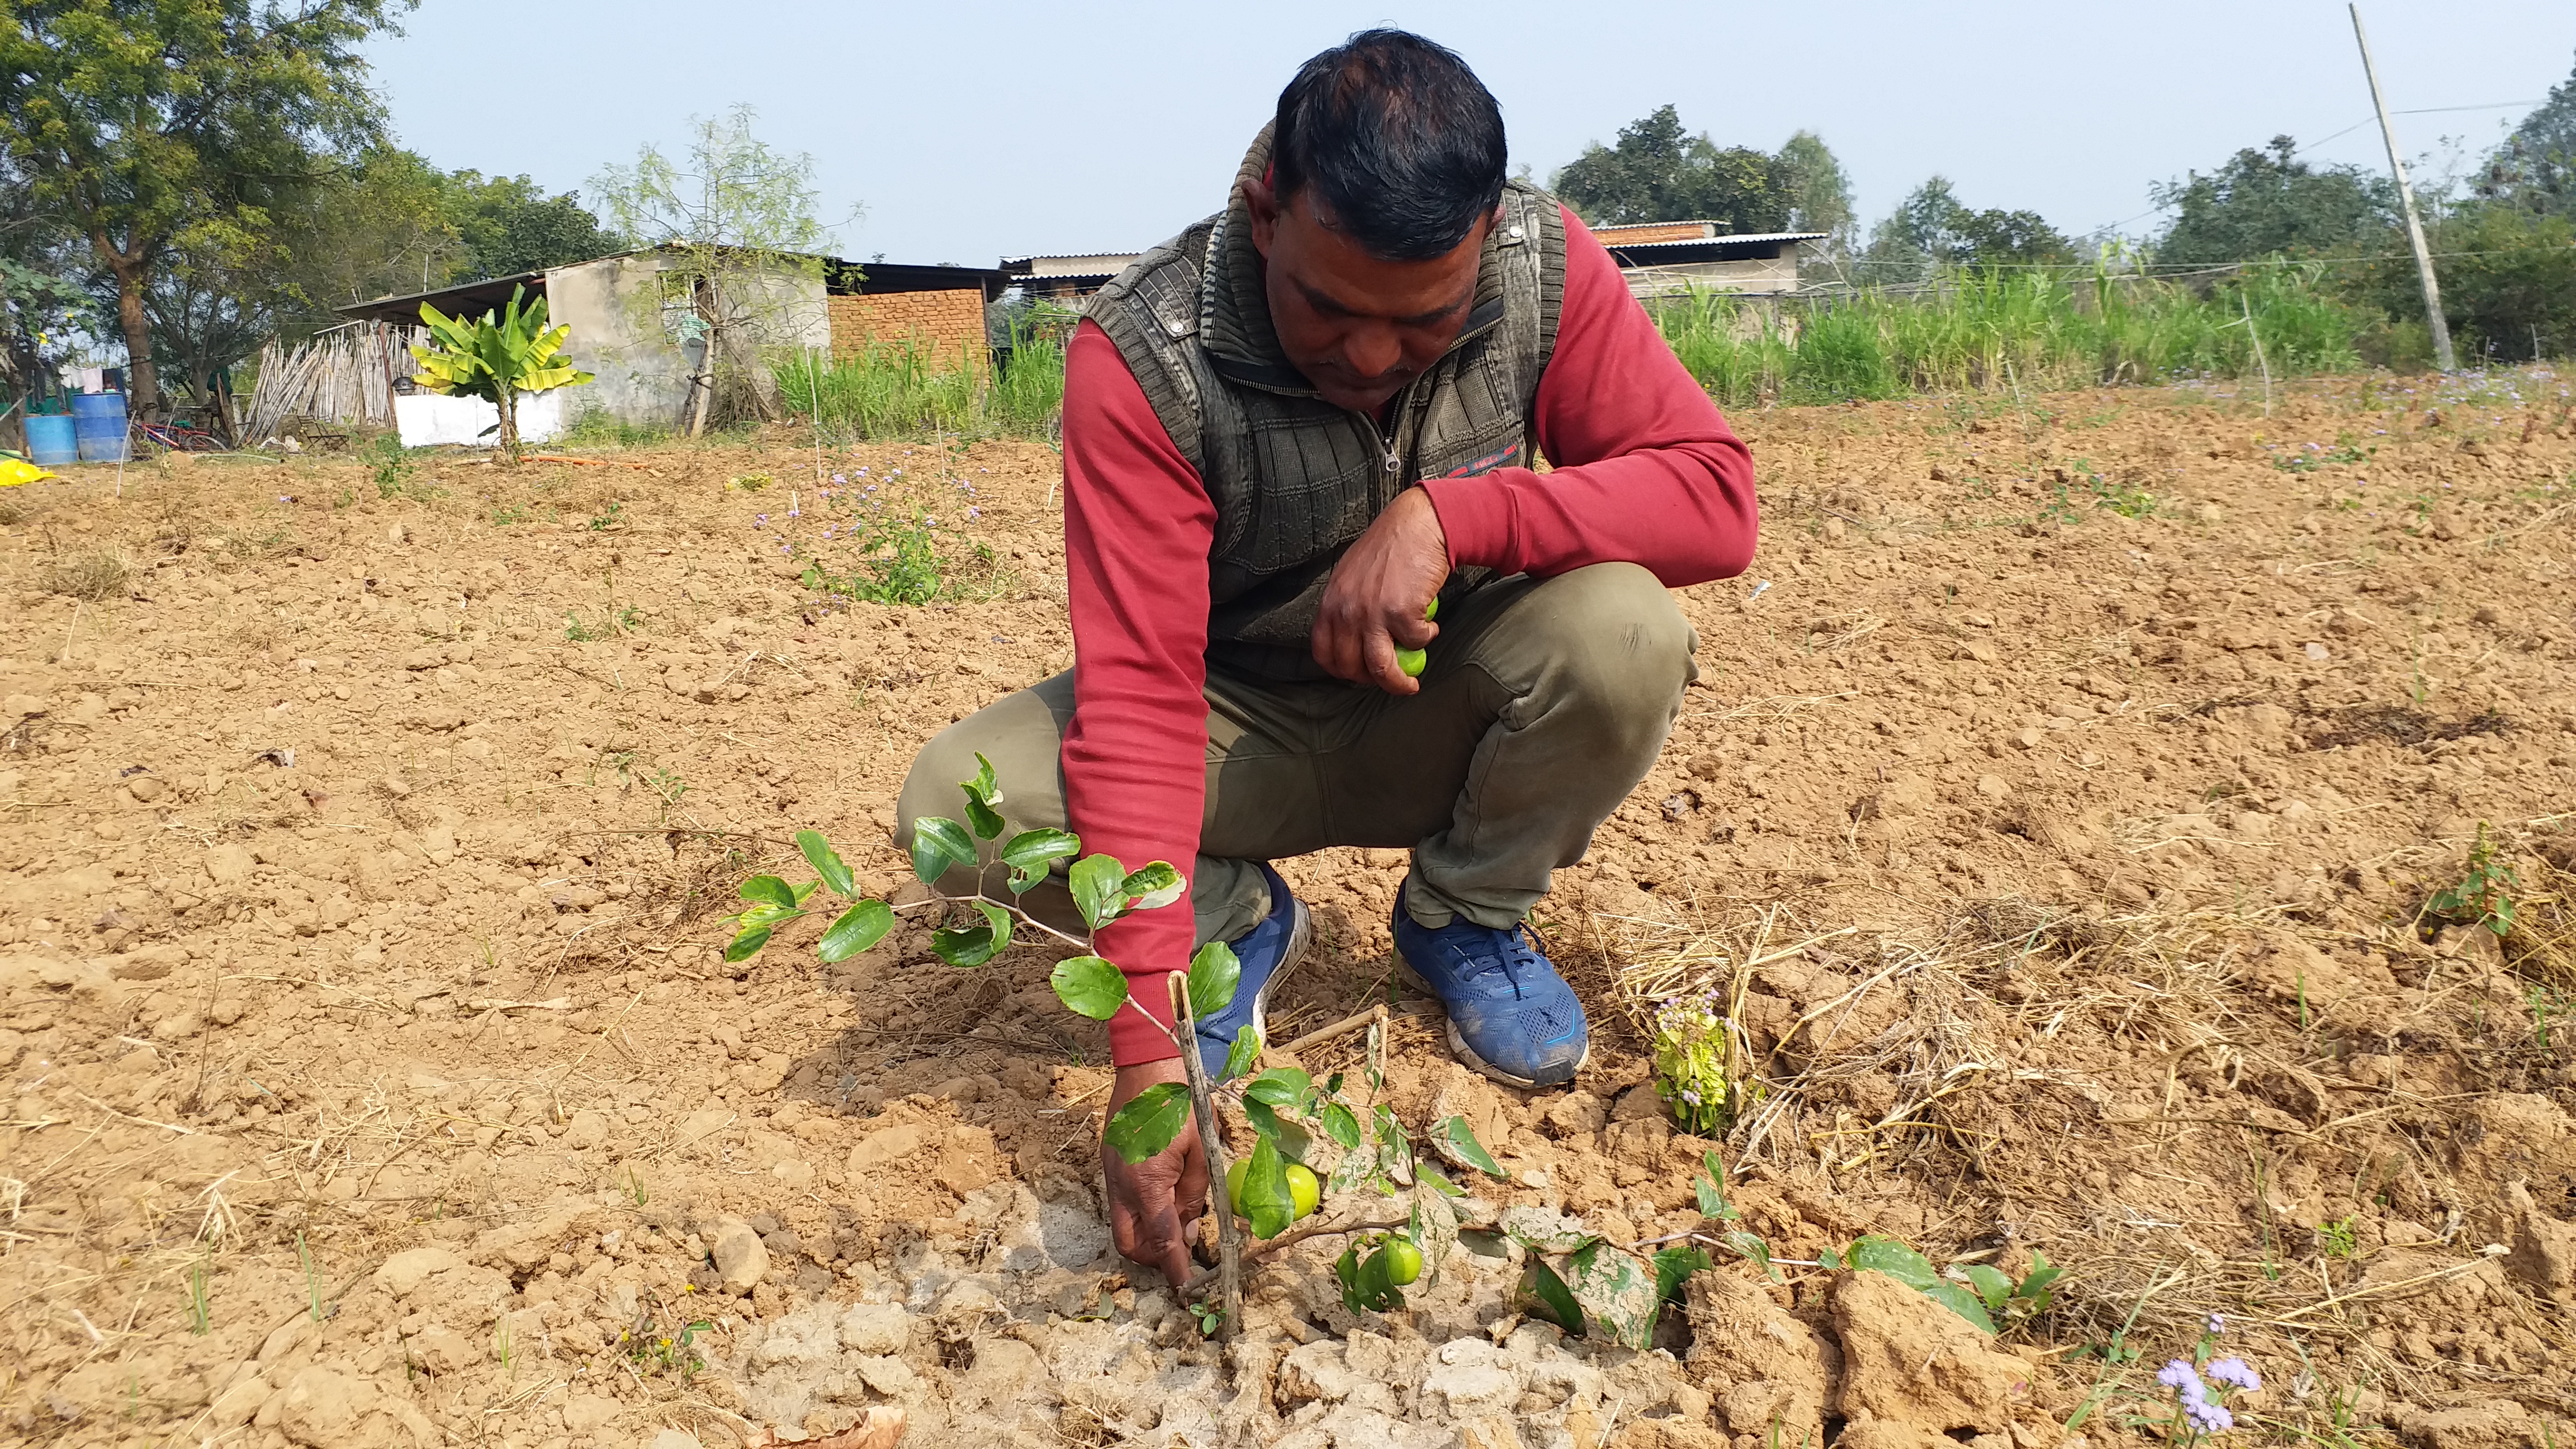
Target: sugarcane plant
1308, 1138
497, 357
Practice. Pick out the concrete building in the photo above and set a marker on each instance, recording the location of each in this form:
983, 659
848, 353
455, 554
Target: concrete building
635, 320
1669, 258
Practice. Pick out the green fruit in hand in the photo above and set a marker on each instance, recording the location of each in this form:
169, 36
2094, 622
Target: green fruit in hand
1411, 661
1303, 1188
1403, 1260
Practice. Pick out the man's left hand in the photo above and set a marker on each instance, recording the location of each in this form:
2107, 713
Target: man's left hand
1374, 603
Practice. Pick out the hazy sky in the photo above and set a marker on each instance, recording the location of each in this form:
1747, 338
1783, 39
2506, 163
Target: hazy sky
971, 131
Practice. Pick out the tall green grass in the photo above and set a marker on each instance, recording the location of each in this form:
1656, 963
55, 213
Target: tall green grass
1997, 331
899, 390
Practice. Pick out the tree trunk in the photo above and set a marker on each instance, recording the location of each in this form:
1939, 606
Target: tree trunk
509, 400
142, 381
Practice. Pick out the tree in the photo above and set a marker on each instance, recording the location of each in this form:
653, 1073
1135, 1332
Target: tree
2264, 202
1931, 229
42, 300
496, 358
1820, 196
1659, 173
740, 219
139, 121
509, 224
2535, 169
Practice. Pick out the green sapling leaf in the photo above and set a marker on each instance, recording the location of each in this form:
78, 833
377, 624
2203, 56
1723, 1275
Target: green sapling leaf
747, 944
1148, 1123
1154, 884
819, 854
1267, 1201
1550, 1297
1245, 1051
1896, 1260
1094, 882
984, 789
986, 821
974, 945
1213, 974
1712, 1192
1961, 1302
861, 926
1030, 853
1279, 1087
1342, 1125
768, 890
1673, 1268
1752, 1246
1464, 1147
937, 844
1090, 985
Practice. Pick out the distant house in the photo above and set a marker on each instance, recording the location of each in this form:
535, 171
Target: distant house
635, 322
1661, 259
1669, 258
1069, 280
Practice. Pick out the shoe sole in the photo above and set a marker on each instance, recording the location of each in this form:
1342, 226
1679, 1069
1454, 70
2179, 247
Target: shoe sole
1301, 932
1458, 1044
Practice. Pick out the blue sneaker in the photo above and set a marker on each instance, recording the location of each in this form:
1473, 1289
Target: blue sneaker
1268, 952
1510, 1015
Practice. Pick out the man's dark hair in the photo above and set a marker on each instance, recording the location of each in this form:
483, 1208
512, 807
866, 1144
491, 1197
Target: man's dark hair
1397, 137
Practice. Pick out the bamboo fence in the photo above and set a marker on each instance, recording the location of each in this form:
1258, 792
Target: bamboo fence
345, 375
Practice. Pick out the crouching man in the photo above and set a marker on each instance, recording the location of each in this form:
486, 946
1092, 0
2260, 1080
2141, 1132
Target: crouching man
1287, 433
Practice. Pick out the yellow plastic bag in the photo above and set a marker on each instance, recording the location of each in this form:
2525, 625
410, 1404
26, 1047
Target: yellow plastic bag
13, 473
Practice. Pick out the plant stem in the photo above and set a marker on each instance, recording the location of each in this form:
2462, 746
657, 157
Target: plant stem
1229, 1242
1290, 1238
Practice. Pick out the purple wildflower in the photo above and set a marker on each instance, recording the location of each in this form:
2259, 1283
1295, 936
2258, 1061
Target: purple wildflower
2179, 1375
2236, 1373
2218, 1323
2208, 1418
974, 513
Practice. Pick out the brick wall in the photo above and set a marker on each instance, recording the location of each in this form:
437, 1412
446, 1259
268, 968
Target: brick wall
949, 325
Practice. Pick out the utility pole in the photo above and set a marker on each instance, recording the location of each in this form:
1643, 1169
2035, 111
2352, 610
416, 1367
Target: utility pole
2442, 355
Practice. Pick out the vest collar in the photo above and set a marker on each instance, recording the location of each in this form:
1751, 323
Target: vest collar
1234, 309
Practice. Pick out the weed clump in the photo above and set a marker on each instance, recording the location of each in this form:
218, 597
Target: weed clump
90, 576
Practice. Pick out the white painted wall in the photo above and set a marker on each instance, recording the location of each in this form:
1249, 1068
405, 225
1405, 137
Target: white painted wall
426, 418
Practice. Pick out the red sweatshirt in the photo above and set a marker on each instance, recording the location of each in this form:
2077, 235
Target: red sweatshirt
1646, 472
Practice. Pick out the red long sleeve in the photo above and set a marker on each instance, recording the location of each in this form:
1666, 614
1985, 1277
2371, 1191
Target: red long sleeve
1646, 472
1137, 530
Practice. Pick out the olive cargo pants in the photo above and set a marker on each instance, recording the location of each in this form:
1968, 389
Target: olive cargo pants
1544, 703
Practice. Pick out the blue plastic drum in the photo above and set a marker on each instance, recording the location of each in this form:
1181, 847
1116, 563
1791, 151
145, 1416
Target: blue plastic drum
51, 440
99, 420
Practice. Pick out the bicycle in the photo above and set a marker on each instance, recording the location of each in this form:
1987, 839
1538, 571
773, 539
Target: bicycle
176, 437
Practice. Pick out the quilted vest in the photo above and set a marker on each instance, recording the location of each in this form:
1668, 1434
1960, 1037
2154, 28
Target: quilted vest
1295, 479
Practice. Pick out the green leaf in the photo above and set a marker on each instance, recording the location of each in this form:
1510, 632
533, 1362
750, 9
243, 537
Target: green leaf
1673, 1267
1213, 974
1030, 853
1829, 1260
1752, 1246
1094, 882
769, 890
1461, 1140
1897, 1261
1148, 1123
1245, 1051
861, 926
766, 914
1550, 1297
1712, 1192
805, 891
1342, 1125
1279, 1087
1617, 1289
986, 820
1961, 1302
818, 854
1154, 884
1438, 1180
1267, 1202
1090, 985
983, 789
937, 844
747, 944
1993, 1285
974, 945
2034, 1287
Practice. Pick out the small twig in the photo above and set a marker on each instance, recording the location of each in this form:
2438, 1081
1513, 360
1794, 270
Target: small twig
1229, 1242
585, 462
560, 1003
1290, 1239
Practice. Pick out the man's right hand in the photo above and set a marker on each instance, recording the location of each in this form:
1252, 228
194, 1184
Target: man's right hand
1154, 1206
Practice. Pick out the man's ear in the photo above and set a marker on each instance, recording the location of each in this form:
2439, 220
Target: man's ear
1263, 203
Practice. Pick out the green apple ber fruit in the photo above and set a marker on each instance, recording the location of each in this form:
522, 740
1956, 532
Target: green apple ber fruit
1411, 661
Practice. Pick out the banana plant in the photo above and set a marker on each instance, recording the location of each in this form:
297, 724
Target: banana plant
496, 357
1299, 1126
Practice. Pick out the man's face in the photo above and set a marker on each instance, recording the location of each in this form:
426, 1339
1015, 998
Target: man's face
1358, 326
